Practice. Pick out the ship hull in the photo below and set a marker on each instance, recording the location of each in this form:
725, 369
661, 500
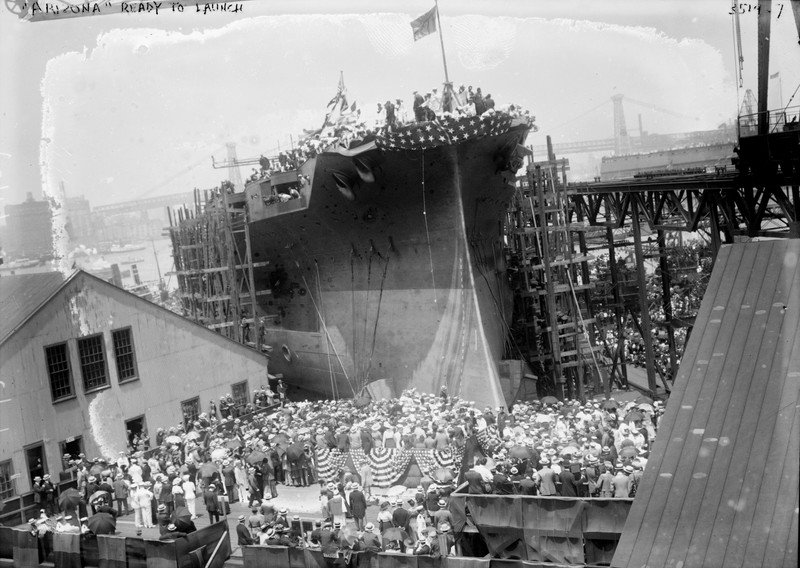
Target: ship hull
393, 283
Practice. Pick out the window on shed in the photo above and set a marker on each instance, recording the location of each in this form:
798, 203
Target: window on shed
57, 357
239, 393
124, 354
93, 362
7, 488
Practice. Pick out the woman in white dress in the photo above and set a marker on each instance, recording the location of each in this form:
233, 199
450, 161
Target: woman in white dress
190, 494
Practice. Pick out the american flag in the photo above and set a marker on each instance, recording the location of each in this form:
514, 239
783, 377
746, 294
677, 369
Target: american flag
443, 131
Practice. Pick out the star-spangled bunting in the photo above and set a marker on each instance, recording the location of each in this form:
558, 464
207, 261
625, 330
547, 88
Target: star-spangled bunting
443, 131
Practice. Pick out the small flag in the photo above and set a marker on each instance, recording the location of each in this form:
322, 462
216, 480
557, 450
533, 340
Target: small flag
340, 92
775, 75
425, 24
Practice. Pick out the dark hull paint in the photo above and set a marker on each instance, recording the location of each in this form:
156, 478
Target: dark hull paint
405, 303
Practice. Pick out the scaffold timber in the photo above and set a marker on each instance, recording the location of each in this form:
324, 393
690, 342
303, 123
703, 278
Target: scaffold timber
214, 268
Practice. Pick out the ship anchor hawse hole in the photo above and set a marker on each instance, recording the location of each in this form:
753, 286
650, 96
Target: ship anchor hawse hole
344, 185
364, 170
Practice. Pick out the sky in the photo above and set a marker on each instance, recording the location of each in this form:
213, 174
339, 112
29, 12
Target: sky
124, 106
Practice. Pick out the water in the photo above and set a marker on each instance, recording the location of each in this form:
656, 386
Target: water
155, 256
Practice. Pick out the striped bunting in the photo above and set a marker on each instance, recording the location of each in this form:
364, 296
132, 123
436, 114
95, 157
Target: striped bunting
387, 465
330, 463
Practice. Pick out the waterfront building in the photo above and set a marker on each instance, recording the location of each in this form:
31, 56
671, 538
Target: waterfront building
86, 365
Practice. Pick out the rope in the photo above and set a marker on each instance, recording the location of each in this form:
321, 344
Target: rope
353, 304
328, 335
375, 329
427, 233
366, 312
334, 389
583, 326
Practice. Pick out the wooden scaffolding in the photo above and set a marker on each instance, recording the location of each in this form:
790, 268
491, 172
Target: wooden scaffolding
555, 324
214, 267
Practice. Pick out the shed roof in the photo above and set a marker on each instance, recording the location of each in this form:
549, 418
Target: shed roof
721, 485
22, 295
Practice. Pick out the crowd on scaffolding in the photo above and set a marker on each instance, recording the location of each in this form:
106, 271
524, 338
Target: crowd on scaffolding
244, 454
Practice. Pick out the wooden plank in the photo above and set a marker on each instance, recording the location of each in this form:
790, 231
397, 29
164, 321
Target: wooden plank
561, 262
744, 426
687, 435
692, 473
637, 539
767, 387
778, 494
558, 289
782, 549
198, 271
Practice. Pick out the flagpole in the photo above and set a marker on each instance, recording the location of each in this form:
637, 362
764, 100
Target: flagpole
441, 40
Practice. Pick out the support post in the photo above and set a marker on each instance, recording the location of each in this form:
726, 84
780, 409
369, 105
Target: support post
251, 279
555, 347
644, 308
666, 301
618, 314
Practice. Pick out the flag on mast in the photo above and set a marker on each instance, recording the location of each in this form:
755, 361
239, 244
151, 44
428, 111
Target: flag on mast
339, 110
425, 24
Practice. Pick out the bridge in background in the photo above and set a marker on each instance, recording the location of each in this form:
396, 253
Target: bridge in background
136, 205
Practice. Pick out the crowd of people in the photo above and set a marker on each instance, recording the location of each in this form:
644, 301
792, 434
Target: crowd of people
353, 128
227, 455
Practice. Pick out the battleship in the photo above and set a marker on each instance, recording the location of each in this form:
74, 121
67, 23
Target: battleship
379, 265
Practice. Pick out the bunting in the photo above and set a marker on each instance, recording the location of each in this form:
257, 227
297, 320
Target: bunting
330, 463
445, 130
387, 465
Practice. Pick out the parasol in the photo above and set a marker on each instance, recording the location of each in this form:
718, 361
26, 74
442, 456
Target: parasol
634, 416
569, 450
102, 523
219, 454
69, 499
233, 444
394, 533
183, 520
256, 457
208, 470
646, 407
103, 496
443, 475
643, 399
349, 535
193, 435
180, 513
520, 452
628, 452
609, 404
279, 438
396, 491
294, 452
549, 400
362, 402
96, 469
173, 439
